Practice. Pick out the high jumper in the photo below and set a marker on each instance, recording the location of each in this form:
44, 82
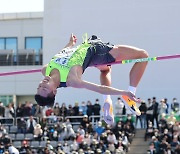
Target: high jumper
66, 68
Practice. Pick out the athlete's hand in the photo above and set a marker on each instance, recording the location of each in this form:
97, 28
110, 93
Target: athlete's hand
132, 96
72, 40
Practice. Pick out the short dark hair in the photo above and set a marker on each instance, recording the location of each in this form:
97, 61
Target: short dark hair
44, 101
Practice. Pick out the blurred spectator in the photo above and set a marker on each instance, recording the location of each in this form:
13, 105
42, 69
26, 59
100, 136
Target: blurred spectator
175, 105
63, 110
149, 112
79, 138
45, 136
152, 149
111, 138
96, 109
49, 111
81, 130
85, 121
119, 105
76, 109
9, 111
70, 132
162, 123
43, 122
2, 110
89, 108
74, 145
27, 110
99, 129
125, 141
66, 148
25, 148
155, 111
63, 134
167, 104
49, 146
3, 131
19, 110
21, 124
38, 111
162, 107
70, 111
56, 109
31, 123
83, 108
149, 131
38, 132
171, 119
143, 109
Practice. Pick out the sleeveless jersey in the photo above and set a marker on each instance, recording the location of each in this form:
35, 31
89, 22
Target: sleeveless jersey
66, 59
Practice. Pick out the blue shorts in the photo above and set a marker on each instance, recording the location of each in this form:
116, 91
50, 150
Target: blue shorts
98, 54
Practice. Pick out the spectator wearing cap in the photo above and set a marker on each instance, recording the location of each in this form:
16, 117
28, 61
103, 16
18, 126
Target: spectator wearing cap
38, 132
85, 121
96, 109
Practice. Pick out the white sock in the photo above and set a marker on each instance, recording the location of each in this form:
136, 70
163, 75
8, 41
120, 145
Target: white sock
106, 97
132, 89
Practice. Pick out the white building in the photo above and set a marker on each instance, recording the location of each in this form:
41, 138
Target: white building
151, 25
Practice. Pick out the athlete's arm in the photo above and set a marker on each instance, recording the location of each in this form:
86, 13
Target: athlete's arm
106, 90
72, 41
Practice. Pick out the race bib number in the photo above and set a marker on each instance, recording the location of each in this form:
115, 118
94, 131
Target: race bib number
64, 55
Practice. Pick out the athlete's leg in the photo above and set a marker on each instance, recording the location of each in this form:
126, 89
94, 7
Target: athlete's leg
122, 52
105, 79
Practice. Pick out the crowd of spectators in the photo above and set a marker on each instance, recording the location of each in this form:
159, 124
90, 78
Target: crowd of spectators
166, 138
49, 124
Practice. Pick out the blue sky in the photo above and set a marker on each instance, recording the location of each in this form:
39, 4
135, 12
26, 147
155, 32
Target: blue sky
12, 6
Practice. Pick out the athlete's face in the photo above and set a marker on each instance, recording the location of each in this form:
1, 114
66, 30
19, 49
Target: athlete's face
46, 87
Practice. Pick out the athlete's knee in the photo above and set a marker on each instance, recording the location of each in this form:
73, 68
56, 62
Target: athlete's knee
105, 69
143, 53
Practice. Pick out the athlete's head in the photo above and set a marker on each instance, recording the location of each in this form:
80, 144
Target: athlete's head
46, 92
